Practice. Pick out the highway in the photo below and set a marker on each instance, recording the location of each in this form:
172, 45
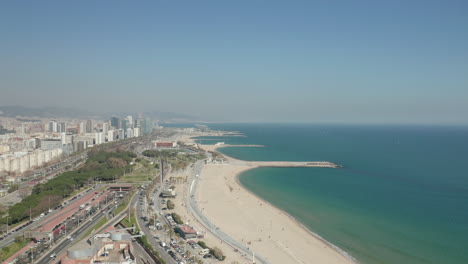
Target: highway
65, 243
41, 221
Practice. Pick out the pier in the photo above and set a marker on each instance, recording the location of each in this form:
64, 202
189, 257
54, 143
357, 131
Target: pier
292, 164
228, 145
276, 164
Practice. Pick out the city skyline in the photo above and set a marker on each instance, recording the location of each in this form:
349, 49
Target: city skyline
243, 61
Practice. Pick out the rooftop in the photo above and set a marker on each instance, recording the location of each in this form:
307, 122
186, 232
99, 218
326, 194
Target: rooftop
187, 229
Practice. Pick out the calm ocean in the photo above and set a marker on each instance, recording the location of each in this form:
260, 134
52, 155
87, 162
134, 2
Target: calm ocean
401, 196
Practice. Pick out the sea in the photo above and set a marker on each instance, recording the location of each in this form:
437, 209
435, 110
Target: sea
401, 196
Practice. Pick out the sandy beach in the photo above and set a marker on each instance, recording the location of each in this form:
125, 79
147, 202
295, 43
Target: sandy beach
266, 230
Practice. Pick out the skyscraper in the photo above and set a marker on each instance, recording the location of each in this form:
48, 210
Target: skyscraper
105, 128
139, 122
89, 126
82, 128
147, 126
115, 122
124, 125
130, 121
61, 127
52, 126
110, 135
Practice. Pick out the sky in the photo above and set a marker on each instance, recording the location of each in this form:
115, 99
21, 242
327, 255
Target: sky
241, 61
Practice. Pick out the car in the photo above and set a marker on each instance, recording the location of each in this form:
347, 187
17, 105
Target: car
53, 256
208, 256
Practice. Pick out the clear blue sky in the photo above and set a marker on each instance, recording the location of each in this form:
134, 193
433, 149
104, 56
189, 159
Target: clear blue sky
256, 60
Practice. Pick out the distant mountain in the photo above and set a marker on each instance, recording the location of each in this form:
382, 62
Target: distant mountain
170, 116
62, 112
15, 111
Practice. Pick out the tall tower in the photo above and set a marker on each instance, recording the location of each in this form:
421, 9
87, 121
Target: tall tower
130, 121
53, 126
89, 126
115, 122
105, 128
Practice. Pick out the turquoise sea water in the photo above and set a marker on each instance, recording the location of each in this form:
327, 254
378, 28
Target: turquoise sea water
401, 197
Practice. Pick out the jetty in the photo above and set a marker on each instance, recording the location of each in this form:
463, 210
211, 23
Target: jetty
229, 145
277, 164
293, 164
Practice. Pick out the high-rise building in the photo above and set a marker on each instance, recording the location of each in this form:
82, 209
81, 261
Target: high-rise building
147, 126
61, 127
82, 128
89, 126
52, 126
130, 121
99, 138
110, 135
139, 123
63, 137
129, 132
124, 125
115, 122
121, 134
105, 128
136, 132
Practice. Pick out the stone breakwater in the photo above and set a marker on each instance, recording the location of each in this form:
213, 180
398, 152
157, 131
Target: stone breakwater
292, 164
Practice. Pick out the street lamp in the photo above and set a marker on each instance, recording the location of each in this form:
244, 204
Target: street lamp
7, 223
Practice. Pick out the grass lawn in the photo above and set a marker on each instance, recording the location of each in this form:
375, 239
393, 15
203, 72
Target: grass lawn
134, 178
96, 226
123, 205
7, 252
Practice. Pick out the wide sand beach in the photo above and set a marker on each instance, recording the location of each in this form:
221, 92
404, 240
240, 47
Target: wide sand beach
266, 230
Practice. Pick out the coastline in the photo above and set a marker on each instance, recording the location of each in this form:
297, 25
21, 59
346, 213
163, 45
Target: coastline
297, 222
225, 201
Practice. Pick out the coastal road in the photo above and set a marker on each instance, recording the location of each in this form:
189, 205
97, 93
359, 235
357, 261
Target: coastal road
142, 225
193, 208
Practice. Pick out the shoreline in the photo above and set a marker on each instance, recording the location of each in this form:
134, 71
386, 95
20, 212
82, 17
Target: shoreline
292, 218
312, 247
